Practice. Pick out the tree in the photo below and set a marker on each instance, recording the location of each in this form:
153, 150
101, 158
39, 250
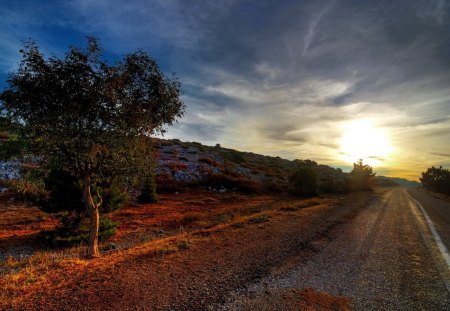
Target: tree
90, 118
148, 191
303, 181
13, 139
361, 177
436, 179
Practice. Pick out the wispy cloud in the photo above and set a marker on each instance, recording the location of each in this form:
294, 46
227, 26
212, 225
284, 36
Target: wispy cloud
278, 78
313, 26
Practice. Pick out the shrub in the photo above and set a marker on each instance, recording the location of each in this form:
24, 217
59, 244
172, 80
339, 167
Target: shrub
148, 192
303, 181
234, 182
208, 161
436, 179
332, 186
30, 191
176, 166
75, 231
114, 196
64, 193
360, 178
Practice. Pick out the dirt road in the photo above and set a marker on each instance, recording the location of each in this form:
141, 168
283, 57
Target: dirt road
386, 258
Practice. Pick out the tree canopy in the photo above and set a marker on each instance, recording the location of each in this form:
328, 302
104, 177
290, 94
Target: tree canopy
91, 118
436, 179
361, 176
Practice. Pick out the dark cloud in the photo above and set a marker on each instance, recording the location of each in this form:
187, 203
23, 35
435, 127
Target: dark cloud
255, 72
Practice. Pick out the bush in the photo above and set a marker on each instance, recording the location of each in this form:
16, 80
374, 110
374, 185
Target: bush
64, 193
148, 192
233, 182
360, 178
30, 191
436, 179
75, 231
303, 181
332, 186
31, 186
208, 161
114, 197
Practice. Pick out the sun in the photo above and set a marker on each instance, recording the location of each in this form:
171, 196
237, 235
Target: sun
361, 140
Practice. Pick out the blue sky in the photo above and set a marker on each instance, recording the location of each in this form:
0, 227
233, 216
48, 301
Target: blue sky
282, 78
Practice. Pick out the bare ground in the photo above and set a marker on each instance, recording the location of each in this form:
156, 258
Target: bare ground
194, 269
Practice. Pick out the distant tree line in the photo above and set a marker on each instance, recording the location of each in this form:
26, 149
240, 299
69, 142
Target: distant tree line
436, 179
305, 181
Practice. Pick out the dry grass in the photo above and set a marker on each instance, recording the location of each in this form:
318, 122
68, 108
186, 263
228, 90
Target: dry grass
184, 219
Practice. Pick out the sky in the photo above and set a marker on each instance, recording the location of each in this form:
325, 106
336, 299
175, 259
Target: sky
328, 80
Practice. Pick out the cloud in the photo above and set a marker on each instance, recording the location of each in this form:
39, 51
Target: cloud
278, 78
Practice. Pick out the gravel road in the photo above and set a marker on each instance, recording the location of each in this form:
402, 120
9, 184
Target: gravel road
383, 259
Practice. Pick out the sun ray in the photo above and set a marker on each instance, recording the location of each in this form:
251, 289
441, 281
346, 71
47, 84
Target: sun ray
361, 140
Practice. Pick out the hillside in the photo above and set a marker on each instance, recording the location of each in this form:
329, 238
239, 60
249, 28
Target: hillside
188, 164
385, 181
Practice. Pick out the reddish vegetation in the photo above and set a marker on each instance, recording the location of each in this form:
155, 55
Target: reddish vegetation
228, 240
198, 210
19, 223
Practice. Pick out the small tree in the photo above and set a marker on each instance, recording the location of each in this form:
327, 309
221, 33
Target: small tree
361, 177
148, 191
436, 179
90, 118
303, 181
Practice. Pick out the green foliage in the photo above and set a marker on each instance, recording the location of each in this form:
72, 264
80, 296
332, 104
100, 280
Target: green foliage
148, 192
303, 181
64, 193
30, 187
30, 191
14, 142
88, 117
436, 179
115, 196
74, 231
107, 229
361, 177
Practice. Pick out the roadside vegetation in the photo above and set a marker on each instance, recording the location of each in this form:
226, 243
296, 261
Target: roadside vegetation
436, 179
81, 175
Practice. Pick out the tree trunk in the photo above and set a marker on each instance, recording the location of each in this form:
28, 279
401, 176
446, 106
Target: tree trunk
94, 217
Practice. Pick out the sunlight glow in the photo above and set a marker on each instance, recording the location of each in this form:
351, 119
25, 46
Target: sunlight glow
361, 140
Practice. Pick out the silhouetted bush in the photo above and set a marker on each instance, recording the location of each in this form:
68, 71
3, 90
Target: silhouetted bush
148, 192
303, 181
115, 196
64, 193
233, 182
331, 185
360, 178
436, 179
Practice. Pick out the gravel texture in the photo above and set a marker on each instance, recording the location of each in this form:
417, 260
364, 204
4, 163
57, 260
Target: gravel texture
382, 260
